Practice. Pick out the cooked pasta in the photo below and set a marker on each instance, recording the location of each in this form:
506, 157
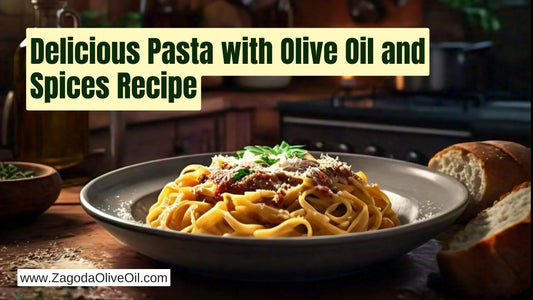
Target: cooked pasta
278, 193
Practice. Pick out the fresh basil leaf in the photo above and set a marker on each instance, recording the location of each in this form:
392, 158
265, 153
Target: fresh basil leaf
269, 161
282, 148
241, 173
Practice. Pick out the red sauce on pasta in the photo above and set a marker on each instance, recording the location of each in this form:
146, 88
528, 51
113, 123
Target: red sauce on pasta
256, 181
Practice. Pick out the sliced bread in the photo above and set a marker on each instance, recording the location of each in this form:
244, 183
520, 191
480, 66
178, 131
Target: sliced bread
488, 169
491, 256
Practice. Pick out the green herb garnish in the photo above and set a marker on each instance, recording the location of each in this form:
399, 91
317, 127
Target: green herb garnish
241, 173
10, 172
267, 160
266, 151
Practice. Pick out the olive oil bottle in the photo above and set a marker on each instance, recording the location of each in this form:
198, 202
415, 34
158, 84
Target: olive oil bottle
56, 138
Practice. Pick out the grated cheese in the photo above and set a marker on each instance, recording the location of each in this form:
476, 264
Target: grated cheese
226, 167
288, 166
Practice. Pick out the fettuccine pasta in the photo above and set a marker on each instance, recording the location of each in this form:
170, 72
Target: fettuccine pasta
272, 195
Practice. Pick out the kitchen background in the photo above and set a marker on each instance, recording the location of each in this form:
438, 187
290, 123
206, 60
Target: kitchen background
479, 86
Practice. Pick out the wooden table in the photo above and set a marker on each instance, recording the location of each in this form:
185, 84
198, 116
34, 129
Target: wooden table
66, 237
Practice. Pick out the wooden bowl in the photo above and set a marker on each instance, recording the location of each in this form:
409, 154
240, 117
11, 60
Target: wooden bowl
22, 200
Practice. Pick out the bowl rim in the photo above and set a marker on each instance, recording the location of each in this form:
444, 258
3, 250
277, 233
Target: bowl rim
106, 218
47, 170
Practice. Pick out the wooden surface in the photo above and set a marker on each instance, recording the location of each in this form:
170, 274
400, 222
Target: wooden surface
66, 237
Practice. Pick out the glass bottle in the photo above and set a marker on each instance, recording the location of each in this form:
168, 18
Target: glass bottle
56, 138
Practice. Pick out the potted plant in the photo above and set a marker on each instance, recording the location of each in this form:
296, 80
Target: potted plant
481, 16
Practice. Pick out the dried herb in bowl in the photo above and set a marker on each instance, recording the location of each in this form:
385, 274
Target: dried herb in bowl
10, 172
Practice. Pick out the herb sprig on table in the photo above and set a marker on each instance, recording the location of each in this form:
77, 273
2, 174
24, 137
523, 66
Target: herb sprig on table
265, 152
10, 172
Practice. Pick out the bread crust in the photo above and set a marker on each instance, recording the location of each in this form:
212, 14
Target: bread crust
497, 266
501, 170
520, 153
478, 271
514, 245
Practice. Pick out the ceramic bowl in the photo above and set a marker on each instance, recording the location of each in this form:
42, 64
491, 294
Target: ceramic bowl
24, 199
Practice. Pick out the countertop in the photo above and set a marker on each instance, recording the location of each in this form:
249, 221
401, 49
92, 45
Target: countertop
65, 237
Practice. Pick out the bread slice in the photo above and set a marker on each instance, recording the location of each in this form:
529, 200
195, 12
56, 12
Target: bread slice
491, 256
488, 169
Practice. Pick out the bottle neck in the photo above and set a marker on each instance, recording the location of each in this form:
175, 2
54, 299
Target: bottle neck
47, 16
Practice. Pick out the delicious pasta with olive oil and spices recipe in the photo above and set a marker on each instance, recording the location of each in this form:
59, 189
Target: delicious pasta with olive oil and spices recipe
265, 192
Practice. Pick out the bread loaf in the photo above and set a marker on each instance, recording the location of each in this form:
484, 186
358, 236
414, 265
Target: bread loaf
488, 169
491, 256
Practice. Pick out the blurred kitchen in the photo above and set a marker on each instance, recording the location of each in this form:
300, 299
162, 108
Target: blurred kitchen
479, 86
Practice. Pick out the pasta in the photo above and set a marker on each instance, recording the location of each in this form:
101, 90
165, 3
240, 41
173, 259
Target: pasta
272, 192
